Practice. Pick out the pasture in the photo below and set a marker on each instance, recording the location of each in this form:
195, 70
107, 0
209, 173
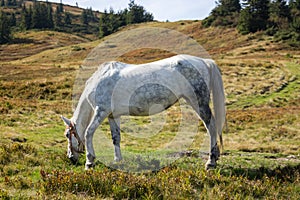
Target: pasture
261, 157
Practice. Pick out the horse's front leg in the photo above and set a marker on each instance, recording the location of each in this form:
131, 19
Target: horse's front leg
116, 137
97, 119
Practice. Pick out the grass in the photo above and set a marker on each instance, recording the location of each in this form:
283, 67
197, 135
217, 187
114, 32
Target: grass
287, 91
261, 159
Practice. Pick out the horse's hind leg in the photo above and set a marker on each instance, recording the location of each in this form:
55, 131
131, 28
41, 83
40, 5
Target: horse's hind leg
214, 149
206, 116
116, 137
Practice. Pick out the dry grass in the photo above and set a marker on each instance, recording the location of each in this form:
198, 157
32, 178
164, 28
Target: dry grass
261, 80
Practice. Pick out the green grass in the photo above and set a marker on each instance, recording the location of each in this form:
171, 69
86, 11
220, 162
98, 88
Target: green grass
240, 175
38, 168
286, 93
261, 159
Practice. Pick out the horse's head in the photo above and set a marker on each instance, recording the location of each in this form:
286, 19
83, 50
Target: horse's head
75, 145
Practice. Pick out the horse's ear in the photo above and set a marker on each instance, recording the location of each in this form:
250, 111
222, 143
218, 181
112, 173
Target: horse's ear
66, 121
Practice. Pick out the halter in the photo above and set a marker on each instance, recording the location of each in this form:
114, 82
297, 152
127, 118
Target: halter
73, 131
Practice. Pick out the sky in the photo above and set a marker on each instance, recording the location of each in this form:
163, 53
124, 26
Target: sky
162, 10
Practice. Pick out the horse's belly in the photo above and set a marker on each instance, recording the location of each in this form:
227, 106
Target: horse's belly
150, 99
147, 110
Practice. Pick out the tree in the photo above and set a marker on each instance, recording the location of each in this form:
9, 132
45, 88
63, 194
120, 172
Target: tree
84, 17
50, 23
279, 14
26, 16
90, 15
111, 21
245, 21
295, 13
10, 3
35, 20
123, 17
40, 16
226, 7
67, 18
58, 17
5, 33
225, 14
137, 14
254, 16
60, 7
103, 28
12, 20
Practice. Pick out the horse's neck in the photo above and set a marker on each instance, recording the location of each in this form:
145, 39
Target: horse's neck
81, 117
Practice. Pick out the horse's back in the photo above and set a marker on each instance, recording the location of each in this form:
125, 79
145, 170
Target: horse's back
172, 76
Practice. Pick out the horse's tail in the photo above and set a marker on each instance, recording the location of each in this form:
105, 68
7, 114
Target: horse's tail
216, 85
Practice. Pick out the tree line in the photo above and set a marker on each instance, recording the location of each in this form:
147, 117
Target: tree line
276, 17
110, 20
41, 15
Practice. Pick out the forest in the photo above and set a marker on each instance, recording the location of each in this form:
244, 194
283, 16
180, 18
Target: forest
279, 18
20, 15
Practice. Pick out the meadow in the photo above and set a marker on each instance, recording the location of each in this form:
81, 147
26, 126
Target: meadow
261, 156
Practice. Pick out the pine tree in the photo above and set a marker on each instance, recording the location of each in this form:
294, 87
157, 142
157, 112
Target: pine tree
254, 17
35, 15
26, 16
279, 14
103, 28
113, 22
39, 15
123, 17
110, 22
8, 3
295, 13
5, 33
60, 7
12, 20
50, 23
90, 14
137, 14
226, 7
245, 21
44, 23
84, 17
226, 13
58, 17
67, 19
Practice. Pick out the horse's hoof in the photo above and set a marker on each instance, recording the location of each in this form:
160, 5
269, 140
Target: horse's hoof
210, 166
118, 160
89, 166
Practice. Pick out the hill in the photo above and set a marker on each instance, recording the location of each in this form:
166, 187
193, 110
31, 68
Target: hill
20, 15
261, 79
27, 15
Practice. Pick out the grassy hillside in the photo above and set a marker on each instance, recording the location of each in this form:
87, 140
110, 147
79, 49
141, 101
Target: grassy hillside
261, 159
75, 26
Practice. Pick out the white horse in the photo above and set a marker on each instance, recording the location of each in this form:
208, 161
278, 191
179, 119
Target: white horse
117, 89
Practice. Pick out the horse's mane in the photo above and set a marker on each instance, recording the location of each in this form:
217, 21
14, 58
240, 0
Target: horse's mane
110, 67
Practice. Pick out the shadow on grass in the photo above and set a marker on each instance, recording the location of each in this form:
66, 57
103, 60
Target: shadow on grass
22, 41
286, 173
